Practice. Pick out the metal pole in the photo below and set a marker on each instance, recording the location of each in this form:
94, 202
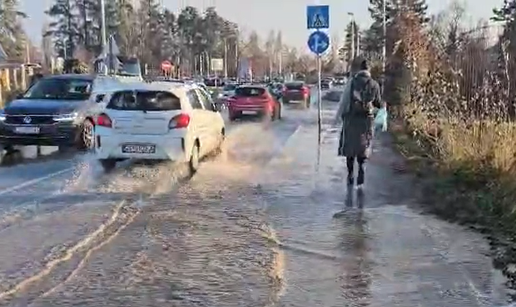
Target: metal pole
384, 47
225, 59
352, 39
111, 67
103, 16
358, 42
352, 42
319, 99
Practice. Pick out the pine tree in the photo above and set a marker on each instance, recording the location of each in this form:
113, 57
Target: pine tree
12, 38
419, 7
374, 38
126, 30
506, 13
64, 28
149, 19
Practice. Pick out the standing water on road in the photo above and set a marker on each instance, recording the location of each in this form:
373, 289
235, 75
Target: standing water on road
262, 224
346, 248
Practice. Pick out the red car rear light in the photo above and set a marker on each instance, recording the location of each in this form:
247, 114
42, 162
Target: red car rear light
179, 121
104, 121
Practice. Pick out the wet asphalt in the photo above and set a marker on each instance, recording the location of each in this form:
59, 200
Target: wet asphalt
268, 222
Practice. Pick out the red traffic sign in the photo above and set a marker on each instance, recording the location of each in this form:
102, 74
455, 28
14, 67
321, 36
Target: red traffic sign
166, 65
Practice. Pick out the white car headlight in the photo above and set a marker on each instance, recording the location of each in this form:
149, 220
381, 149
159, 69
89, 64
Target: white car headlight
70, 117
2, 116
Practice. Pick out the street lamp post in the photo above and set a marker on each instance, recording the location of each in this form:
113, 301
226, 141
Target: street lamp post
352, 35
103, 16
384, 47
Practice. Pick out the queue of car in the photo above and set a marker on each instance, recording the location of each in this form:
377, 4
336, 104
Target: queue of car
119, 119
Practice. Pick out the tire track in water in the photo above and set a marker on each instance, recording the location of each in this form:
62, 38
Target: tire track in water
106, 232
185, 236
120, 218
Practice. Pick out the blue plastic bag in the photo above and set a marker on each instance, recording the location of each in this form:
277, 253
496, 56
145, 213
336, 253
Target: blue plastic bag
380, 120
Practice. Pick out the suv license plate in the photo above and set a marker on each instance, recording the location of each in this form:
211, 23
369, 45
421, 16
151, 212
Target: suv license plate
249, 112
27, 130
139, 149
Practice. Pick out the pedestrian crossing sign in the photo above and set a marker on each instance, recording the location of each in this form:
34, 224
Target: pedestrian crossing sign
318, 21
318, 17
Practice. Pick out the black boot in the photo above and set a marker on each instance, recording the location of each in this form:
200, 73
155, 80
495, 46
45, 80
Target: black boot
350, 163
351, 179
361, 172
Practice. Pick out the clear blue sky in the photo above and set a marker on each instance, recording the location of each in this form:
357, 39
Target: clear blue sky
265, 15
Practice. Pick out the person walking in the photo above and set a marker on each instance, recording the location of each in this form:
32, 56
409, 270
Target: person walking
356, 112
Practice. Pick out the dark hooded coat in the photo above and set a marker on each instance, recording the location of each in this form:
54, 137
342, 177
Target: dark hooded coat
357, 128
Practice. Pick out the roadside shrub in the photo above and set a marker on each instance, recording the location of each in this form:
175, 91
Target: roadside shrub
459, 112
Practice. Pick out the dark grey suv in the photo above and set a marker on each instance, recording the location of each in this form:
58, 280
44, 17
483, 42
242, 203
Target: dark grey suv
55, 111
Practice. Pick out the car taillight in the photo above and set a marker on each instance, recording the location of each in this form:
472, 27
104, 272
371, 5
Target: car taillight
179, 121
104, 121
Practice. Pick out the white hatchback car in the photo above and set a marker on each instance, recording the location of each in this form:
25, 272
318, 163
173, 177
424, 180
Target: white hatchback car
158, 121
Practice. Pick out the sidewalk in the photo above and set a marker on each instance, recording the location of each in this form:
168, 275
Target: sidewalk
386, 254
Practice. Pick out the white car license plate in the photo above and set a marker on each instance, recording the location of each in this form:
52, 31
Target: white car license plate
249, 112
27, 130
139, 149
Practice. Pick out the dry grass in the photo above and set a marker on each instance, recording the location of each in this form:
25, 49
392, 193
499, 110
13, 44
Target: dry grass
471, 167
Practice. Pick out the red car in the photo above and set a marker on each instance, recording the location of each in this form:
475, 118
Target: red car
253, 100
297, 92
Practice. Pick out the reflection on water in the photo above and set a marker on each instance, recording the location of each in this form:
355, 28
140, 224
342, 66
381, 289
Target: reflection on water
356, 278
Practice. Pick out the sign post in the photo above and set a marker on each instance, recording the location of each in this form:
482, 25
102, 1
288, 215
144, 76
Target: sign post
317, 18
217, 66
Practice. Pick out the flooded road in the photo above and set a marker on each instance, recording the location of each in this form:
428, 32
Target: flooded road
266, 223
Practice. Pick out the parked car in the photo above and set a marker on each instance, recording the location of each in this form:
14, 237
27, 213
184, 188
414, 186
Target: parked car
296, 92
55, 111
158, 121
255, 100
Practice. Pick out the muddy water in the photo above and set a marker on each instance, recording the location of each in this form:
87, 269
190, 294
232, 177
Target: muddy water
346, 248
266, 223
148, 235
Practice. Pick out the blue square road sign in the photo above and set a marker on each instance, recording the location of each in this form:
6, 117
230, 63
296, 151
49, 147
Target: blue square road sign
318, 17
